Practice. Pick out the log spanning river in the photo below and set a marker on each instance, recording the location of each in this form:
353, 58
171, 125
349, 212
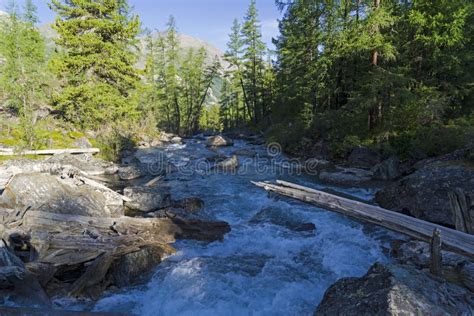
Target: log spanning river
271, 263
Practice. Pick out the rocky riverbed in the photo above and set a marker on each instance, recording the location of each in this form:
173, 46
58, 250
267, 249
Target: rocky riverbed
183, 231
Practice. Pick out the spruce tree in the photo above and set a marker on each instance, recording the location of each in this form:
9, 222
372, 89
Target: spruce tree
253, 61
23, 75
96, 60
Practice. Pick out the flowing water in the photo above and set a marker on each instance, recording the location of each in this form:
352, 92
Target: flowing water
262, 267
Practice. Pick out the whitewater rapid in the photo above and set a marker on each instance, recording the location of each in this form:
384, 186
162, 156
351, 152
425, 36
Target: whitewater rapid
260, 268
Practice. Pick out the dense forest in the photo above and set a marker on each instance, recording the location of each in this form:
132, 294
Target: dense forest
395, 75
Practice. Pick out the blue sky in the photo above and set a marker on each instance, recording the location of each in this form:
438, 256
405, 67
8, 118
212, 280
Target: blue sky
207, 19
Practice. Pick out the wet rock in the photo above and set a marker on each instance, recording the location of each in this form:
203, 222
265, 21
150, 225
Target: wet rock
228, 164
130, 172
44, 192
147, 199
362, 157
191, 204
219, 141
176, 140
201, 230
387, 170
395, 290
424, 193
281, 217
136, 267
346, 176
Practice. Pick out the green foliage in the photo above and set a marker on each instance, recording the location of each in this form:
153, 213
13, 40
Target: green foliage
96, 61
23, 75
178, 85
391, 74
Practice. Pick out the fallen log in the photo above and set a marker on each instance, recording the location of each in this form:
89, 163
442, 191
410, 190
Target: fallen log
13, 152
452, 240
100, 186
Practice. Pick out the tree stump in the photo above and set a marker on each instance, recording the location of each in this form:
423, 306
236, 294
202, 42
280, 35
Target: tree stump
436, 258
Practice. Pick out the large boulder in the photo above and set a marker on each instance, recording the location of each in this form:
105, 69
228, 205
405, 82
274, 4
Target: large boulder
362, 157
135, 267
190, 204
455, 268
395, 290
346, 176
219, 141
424, 193
387, 170
147, 199
48, 193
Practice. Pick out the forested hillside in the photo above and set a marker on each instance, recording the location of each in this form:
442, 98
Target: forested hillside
392, 75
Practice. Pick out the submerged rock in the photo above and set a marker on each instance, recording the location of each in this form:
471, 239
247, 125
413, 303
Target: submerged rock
147, 199
281, 217
424, 193
395, 290
219, 141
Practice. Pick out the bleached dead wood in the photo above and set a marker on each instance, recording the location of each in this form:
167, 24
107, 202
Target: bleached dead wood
100, 186
452, 240
12, 152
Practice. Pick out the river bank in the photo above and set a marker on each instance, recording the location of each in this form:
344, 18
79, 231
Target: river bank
279, 257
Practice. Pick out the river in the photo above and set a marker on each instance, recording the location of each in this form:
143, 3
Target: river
262, 267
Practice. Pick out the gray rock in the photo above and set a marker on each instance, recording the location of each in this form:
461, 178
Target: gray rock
395, 290
424, 193
315, 165
228, 164
387, 170
346, 176
48, 193
136, 267
130, 172
147, 199
219, 141
455, 268
176, 140
362, 157
191, 204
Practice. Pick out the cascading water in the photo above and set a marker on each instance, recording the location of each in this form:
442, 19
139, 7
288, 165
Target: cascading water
263, 266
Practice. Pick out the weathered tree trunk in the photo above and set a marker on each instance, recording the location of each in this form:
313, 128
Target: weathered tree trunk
462, 206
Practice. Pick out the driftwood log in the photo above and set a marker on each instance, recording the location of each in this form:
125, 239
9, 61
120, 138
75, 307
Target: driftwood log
452, 240
13, 152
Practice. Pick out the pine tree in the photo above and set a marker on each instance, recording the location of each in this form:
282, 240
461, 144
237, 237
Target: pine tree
96, 60
253, 61
23, 76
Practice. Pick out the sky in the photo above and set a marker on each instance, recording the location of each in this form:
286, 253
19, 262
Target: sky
209, 20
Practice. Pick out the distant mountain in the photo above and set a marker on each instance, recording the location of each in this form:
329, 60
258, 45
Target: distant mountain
187, 42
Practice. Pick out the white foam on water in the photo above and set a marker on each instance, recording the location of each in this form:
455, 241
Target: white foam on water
260, 268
